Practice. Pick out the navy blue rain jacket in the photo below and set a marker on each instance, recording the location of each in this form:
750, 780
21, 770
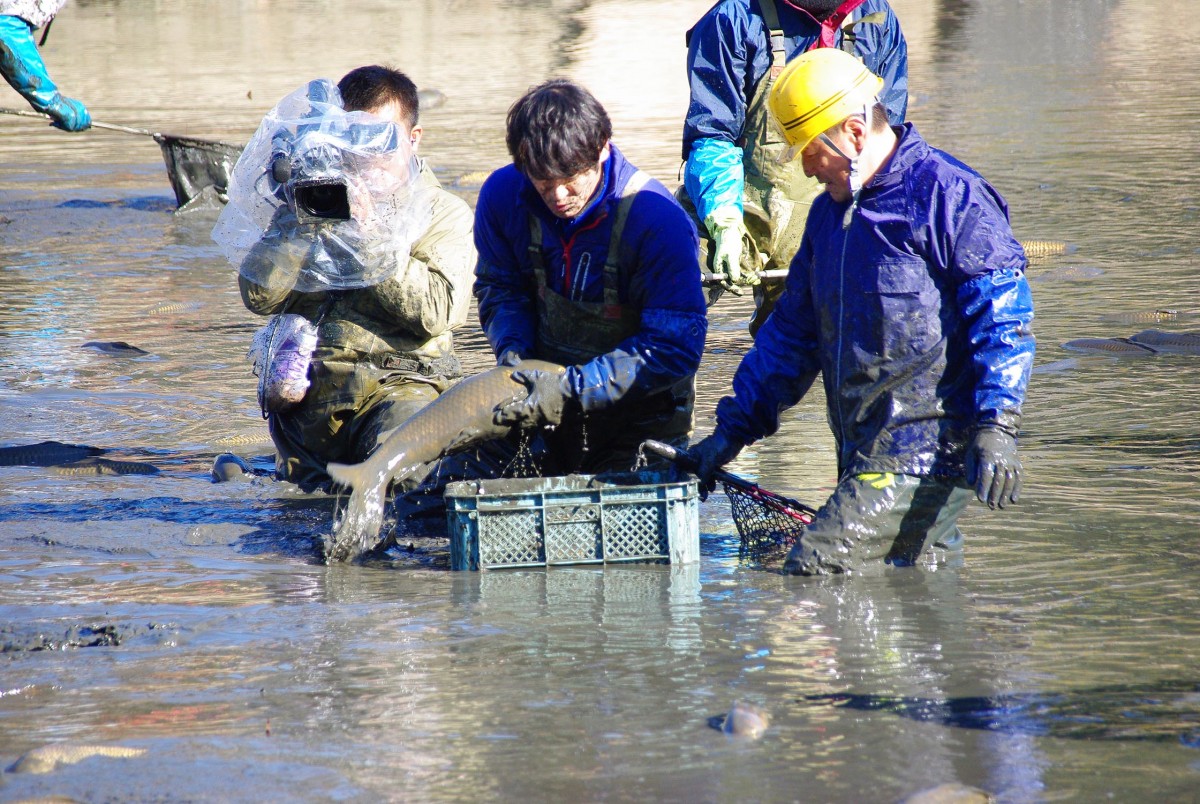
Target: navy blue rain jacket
729, 52
659, 274
918, 317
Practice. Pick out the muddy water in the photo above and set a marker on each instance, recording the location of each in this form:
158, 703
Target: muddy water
1057, 662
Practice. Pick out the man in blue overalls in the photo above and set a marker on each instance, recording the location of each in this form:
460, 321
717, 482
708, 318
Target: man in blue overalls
749, 206
586, 261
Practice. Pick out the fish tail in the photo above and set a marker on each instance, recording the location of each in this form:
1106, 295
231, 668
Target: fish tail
352, 476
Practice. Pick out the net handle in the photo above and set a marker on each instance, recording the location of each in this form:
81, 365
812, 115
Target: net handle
686, 462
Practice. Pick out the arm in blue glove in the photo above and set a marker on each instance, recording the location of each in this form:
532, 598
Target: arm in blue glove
23, 68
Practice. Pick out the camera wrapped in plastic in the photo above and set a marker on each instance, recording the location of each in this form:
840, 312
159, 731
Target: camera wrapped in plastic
321, 198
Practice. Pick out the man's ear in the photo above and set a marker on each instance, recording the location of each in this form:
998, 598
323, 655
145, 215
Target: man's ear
414, 135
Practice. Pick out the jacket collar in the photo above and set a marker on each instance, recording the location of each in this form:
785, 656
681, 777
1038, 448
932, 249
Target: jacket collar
613, 176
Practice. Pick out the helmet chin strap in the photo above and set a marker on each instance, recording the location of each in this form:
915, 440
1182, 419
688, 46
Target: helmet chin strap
855, 180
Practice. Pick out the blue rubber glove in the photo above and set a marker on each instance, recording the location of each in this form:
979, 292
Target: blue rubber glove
549, 395
710, 454
993, 467
23, 68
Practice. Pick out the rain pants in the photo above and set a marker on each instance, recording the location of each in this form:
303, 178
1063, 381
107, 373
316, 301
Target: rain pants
917, 315
383, 352
613, 294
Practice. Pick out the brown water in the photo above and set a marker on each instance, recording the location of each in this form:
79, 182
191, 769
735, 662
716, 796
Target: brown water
1057, 663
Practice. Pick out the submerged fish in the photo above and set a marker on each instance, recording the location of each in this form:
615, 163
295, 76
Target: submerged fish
52, 757
456, 421
1114, 346
743, 720
46, 453
1046, 248
104, 466
114, 348
1182, 343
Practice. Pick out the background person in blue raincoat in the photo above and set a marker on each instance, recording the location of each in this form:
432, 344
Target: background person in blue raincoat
586, 261
908, 295
22, 65
751, 206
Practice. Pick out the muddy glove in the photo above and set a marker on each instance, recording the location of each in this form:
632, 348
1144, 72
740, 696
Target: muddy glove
23, 68
727, 231
549, 395
509, 357
711, 454
993, 467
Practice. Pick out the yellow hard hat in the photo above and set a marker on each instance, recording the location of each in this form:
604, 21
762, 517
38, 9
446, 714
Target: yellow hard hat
816, 91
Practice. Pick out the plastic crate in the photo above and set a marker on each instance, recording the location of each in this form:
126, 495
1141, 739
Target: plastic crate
573, 519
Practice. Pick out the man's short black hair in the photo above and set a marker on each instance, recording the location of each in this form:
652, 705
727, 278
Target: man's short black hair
367, 88
557, 130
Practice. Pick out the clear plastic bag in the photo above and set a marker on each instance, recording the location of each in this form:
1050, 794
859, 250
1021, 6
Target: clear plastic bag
282, 352
321, 198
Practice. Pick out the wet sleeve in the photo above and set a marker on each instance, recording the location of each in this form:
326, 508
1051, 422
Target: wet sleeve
720, 61
277, 259
781, 366
890, 62
994, 298
504, 283
665, 284
430, 292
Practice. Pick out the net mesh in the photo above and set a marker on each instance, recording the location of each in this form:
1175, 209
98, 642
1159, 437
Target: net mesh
766, 522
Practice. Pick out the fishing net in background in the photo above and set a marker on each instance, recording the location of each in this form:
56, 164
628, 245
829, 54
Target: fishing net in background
766, 522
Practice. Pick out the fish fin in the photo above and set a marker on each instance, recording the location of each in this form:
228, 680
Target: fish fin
349, 475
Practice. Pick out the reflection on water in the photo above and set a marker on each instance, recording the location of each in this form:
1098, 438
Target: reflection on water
192, 619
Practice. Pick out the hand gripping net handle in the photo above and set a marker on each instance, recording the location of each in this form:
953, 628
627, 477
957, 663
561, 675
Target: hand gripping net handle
765, 520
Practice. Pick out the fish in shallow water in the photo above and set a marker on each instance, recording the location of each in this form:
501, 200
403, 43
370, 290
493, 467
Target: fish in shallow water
118, 348
1180, 343
46, 453
1035, 249
743, 720
1113, 346
51, 757
104, 466
456, 421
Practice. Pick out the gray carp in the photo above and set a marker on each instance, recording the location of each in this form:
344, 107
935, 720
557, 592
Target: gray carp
104, 466
1180, 343
46, 453
1113, 346
54, 756
456, 421
118, 348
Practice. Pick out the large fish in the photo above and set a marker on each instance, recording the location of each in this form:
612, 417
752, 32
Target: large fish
456, 421
53, 756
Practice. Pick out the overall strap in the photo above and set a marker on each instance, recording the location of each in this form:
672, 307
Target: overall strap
537, 257
778, 51
612, 262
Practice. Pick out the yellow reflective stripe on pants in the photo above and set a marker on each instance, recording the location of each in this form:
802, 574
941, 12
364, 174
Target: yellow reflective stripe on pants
878, 480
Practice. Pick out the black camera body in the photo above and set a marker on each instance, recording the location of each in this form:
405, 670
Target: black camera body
320, 199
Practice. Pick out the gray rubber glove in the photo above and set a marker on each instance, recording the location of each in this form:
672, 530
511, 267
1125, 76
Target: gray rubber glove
993, 467
710, 454
549, 395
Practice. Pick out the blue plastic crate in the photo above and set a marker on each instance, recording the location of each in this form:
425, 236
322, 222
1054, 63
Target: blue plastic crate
573, 519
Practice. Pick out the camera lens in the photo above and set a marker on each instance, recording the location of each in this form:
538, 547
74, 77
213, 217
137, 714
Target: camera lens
327, 200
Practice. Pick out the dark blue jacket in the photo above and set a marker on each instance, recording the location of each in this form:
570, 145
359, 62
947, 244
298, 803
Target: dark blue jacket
729, 52
918, 317
659, 274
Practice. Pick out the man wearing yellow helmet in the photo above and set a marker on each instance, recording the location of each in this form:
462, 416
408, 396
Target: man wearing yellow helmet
750, 207
908, 295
